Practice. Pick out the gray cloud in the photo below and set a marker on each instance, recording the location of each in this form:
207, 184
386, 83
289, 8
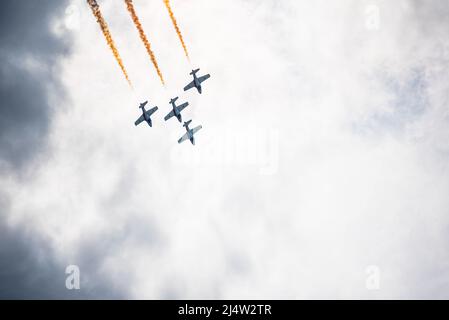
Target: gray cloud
30, 270
29, 52
27, 268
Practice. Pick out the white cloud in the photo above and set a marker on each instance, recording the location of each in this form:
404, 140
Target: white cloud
340, 200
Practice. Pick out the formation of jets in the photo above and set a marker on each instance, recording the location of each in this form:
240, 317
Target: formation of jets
176, 109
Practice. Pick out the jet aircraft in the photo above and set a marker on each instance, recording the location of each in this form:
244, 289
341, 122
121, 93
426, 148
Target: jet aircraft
176, 110
146, 115
196, 81
190, 133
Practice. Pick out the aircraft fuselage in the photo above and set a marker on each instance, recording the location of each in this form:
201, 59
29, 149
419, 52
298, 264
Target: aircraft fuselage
197, 83
190, 133
147, 119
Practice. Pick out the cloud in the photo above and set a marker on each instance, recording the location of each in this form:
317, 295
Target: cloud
30, 85
350, 118
29, 52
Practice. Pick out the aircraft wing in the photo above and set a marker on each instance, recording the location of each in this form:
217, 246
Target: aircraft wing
204, 78
168, 116
184, 137
182, 106
196, 129
138, 121
189, 86
151, 111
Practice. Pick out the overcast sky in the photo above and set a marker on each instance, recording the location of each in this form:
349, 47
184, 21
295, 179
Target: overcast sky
322, 162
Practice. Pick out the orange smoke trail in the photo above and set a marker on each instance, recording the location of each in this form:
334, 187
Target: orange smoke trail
130, 6
104, 28
175, 24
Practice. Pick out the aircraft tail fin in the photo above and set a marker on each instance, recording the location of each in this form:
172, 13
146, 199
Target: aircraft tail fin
187, 123
194, 71
143, 104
